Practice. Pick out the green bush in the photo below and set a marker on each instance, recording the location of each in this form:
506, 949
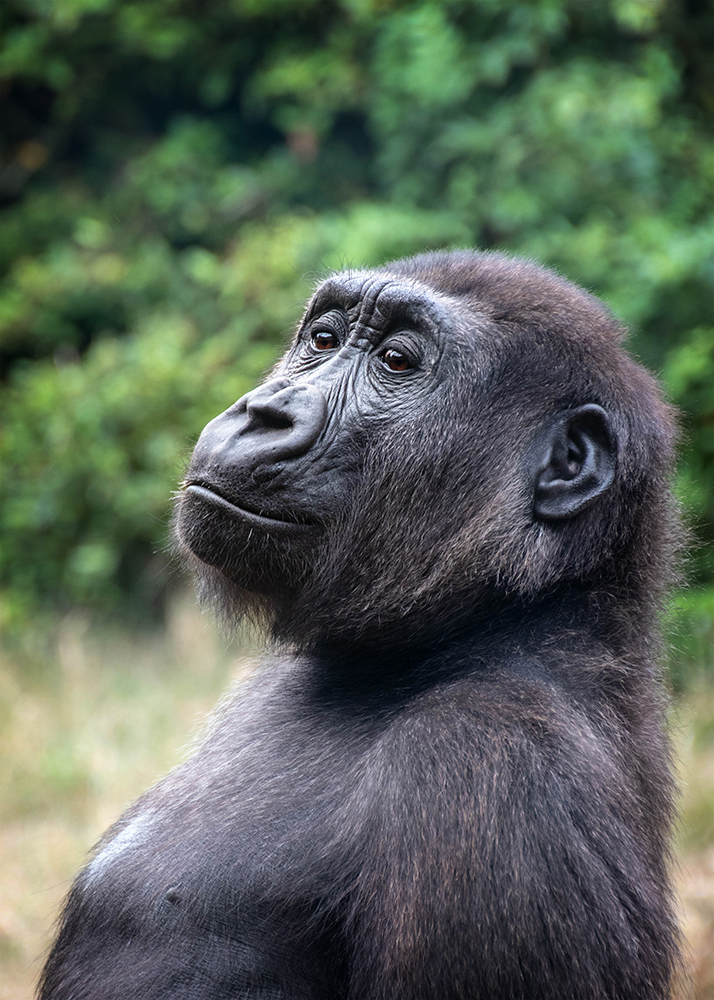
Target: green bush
176, 176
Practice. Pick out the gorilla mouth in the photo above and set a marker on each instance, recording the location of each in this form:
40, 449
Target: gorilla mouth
201, 489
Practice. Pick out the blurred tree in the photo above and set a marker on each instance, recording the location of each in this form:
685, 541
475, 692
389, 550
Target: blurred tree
174, 176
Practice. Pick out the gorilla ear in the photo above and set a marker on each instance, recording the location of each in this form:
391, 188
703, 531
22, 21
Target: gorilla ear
578, 456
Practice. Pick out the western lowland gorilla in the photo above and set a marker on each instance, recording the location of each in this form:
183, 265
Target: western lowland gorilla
450, 778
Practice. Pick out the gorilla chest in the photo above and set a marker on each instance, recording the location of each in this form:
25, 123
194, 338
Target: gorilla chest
263, 845
246, 863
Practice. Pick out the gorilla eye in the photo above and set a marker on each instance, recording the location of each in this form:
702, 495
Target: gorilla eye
322, 340
396, 361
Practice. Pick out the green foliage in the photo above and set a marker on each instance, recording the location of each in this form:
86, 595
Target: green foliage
175, 177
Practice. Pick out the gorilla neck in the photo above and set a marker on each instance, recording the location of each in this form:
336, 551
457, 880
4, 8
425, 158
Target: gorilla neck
570, 618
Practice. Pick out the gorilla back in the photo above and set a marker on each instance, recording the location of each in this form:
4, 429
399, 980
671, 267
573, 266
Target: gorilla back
450, 779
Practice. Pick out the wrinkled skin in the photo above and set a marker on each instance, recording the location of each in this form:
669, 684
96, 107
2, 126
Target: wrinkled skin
288, 455
450, 505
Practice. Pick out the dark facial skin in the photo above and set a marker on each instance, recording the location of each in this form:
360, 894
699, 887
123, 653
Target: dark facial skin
450, 780
282, 463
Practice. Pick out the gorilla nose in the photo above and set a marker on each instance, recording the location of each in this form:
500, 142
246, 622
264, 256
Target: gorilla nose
287, 419
275, 422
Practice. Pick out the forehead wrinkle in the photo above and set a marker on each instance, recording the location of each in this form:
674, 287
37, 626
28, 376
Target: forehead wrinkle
368, 315
343, 290
372, 301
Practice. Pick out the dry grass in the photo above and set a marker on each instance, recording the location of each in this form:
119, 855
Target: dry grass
90, 720
693, 724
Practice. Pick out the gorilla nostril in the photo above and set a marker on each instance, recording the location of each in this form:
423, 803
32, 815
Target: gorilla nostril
269, 416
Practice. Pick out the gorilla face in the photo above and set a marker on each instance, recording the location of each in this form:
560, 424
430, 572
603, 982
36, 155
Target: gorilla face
272, 475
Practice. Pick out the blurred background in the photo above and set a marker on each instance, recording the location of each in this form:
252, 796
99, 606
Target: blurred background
175, 177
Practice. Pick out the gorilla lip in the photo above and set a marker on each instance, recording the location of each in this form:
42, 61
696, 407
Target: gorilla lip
210, 493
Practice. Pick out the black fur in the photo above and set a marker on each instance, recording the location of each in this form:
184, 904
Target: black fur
450, 779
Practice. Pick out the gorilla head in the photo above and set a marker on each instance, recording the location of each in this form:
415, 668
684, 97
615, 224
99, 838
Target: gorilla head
447, 437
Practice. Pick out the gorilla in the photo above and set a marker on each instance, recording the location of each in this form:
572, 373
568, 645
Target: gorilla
449, 506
